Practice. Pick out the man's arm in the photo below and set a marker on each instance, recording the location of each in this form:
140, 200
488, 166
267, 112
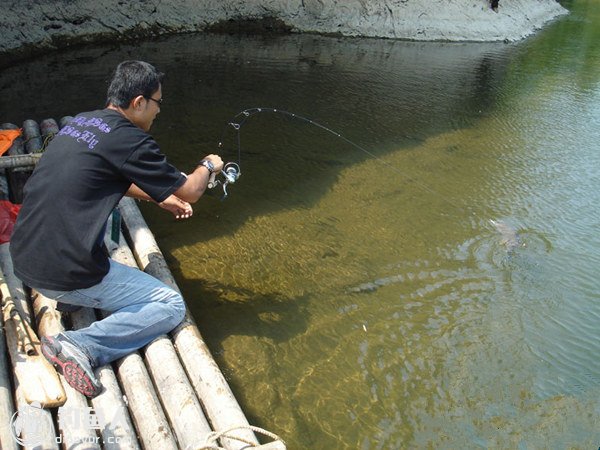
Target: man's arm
194, 186
180, 208
197, 181
190, 192
137, 193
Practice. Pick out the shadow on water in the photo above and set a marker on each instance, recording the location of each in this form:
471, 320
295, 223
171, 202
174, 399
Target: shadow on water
285, 163
274, 315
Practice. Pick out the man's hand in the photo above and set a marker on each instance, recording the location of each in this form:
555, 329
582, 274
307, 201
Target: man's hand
179, 208
216, 161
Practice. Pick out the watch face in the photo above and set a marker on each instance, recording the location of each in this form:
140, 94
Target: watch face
209, 165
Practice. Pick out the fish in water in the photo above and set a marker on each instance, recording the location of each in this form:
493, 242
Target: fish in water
374, 285
510, 237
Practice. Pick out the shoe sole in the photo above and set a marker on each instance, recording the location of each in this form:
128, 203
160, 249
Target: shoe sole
74, 375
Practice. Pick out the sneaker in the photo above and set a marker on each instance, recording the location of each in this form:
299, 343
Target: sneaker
72, 364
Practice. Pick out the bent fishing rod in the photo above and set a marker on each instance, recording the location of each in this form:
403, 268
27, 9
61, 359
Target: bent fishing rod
232, 170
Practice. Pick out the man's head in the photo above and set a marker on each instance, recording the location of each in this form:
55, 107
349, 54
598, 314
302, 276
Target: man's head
135, 90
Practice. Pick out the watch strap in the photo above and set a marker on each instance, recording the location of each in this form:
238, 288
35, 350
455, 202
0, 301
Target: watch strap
208, 164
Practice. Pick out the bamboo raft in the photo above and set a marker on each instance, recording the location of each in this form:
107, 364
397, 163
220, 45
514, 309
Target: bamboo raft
169, 395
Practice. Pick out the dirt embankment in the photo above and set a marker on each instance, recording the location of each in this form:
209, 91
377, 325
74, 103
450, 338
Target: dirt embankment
31, 26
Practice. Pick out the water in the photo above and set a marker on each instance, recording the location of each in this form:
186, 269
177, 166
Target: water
368, 303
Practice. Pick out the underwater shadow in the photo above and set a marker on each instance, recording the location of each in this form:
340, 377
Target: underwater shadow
217, 309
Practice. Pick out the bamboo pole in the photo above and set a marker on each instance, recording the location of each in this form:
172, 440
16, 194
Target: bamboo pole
147, 412
153, 429
48, 319
33, 136
172, 385
77, 434
3, 184
7, 407
15, 287
49, 128
11, 162
35, 424
11, 314
32, 424
39, 382
215, 394
117, 432
64, 121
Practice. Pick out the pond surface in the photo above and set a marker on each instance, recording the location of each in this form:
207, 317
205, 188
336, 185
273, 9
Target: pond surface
355, 291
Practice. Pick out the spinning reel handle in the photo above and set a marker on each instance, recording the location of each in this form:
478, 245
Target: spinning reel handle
230, 173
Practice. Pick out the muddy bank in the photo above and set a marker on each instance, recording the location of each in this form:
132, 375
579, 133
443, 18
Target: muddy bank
32, 26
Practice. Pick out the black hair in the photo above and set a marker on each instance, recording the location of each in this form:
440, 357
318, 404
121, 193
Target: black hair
130, 79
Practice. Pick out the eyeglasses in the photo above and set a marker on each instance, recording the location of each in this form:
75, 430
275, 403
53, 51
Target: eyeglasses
158, 102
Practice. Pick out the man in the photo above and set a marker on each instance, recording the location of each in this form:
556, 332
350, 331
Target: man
57, 244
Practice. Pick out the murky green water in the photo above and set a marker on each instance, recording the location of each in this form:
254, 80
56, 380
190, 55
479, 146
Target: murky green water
359, 302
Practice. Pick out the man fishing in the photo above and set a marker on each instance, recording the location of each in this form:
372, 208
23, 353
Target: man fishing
57, 244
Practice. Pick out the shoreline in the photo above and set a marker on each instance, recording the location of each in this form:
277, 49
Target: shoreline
31, 28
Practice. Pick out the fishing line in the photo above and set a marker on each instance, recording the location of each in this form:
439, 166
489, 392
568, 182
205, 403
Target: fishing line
240, 119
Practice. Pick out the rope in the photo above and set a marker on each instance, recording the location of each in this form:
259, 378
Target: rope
45, 142
212, 437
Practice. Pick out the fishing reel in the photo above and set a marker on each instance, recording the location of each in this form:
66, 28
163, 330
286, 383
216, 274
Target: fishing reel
230, 174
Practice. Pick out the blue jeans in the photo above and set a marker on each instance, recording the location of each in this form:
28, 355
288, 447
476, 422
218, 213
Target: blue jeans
142, 308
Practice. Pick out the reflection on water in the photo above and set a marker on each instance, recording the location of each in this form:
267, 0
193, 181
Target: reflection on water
361, 302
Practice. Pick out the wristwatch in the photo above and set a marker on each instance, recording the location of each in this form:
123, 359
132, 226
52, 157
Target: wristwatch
208, 164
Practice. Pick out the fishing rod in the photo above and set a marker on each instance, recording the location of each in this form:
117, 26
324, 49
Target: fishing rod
232, 171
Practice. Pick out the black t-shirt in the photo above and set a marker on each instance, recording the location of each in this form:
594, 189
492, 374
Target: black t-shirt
87, 168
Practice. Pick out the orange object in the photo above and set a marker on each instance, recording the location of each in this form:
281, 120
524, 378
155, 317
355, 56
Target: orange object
6, 139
